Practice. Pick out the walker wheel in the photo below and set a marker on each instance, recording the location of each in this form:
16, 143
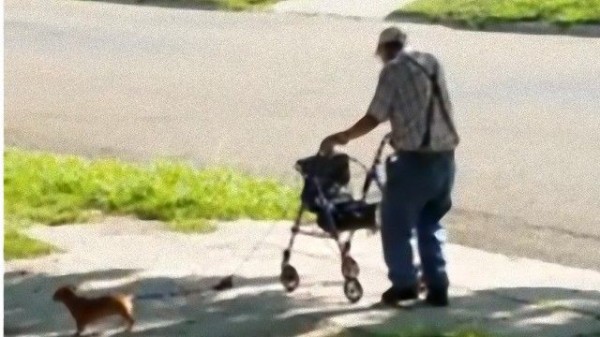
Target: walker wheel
350, 268
289, 278
353, 290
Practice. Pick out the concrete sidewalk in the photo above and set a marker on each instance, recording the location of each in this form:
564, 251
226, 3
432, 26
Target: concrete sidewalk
171, 275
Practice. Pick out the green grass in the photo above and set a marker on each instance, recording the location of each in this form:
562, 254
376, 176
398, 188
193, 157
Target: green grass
481, 12
190, 225
55, 190
18, 246
230, 5
239, 5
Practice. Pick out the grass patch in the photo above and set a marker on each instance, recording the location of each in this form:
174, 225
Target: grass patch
239, 5
19, 246
54, 190
191, 225
229, 5
481, 12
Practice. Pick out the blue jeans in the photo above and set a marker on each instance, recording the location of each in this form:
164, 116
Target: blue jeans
416, 197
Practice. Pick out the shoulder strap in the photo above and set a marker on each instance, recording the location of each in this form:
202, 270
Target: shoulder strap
436, 94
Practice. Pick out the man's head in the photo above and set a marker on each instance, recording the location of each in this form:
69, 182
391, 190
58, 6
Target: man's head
391, 42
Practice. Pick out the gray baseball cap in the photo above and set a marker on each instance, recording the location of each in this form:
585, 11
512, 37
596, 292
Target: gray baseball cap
390, 34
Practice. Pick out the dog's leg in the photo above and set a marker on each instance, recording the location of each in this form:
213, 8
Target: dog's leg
126, 312
130, 322
80, 328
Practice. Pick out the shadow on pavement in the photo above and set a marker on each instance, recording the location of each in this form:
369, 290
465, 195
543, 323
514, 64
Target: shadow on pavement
503, 311
187, 306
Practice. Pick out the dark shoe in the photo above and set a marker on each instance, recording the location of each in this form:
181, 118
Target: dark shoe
437, 297
393, 295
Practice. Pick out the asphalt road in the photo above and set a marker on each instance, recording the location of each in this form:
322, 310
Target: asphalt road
261, 90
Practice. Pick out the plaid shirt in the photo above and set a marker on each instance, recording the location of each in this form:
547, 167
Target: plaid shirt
402, 97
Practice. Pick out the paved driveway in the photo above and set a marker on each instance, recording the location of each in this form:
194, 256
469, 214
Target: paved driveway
261, 90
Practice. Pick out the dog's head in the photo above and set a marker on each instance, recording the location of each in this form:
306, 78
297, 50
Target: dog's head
63, 293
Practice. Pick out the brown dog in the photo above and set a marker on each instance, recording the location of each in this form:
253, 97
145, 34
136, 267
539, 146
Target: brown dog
89, 310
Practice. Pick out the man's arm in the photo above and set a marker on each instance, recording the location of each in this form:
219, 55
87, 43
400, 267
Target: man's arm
364, 125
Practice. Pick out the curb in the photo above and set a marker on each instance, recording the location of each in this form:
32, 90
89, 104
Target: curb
522, 27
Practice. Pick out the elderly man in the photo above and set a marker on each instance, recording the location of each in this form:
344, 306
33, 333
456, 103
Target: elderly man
412, 95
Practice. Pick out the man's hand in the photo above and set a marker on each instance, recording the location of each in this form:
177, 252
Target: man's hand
330, 142
360, 128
